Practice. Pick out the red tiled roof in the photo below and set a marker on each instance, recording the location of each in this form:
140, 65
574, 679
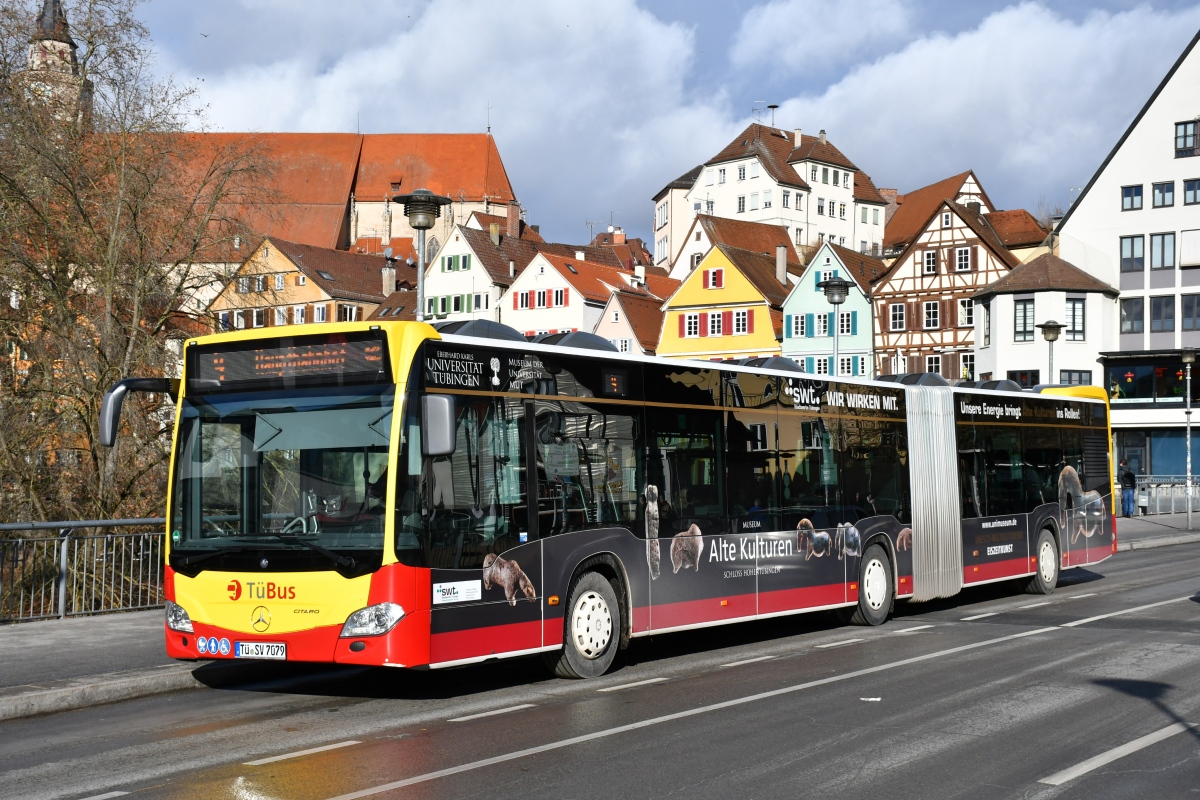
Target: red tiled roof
915, 209
487, 220
759, 269
1046, 273
1017, 228
862, 268
661, 285
459, 165
403, 247
593, 281
757, 237
773, 148
977, 223
865, 191
645, 316
819, 148
342, 274
521, 251
403, 299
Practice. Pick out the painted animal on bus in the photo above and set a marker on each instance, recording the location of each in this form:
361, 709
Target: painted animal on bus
508, 574
811, 541
653, 552
847, 541
1081, 512
686, 548
904, 539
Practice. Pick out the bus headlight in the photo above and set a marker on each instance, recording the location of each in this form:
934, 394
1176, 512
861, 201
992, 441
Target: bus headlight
372, 620
178, 619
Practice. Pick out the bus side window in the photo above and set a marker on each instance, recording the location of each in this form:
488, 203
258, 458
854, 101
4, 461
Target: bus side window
971, 471
1005, 471
1043, 458
687, 465
752, 460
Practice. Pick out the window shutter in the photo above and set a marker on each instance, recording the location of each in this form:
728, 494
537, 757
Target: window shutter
787, 326
974, 256
950, 366
835, 273
808, 326
817, 279
704, 323
466, 261
515, 301
726, 323
915, 365
808, 365
749, 320
915, 321
854, 365
719, 278
854, 323
830, 366
682, 325
443, 263
532, 298
707, 273
566, 297
945, 320
832, 329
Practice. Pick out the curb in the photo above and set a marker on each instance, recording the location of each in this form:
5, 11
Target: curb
98, 690
1158, 541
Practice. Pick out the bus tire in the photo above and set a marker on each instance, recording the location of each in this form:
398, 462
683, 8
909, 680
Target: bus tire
1045, 578
591, 629
875, 587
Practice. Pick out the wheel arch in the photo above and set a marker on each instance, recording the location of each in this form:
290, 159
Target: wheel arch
610, 566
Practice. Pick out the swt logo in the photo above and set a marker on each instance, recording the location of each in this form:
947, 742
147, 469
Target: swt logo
235, 590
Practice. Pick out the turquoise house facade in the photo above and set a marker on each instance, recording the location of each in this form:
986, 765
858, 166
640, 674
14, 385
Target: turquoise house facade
809, 320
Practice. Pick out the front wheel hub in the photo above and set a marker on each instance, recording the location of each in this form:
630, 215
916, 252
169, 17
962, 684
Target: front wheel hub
591, 625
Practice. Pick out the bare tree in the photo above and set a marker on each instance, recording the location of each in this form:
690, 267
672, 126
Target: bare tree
112, 215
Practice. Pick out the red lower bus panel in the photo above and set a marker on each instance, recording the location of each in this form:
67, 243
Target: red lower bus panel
809, 597
696, 612
552, 630
481, 642
904, 586
1008, 568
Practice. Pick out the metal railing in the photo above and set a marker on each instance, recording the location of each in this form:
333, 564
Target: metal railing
47, 577
1166, 494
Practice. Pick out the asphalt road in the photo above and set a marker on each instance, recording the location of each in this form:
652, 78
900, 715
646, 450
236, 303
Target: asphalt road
1088, 693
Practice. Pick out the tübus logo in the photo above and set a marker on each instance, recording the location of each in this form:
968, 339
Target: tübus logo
261, 590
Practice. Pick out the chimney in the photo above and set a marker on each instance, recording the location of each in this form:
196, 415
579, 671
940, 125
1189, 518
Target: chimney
781, 263
639, 273
821, 136
494, 232
974, 206
618, 236
797, 144
389, 279
535, 228
514, 219
512, 269
580, 255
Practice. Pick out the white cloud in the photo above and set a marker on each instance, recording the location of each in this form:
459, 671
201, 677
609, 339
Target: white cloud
1029, 99
818, 37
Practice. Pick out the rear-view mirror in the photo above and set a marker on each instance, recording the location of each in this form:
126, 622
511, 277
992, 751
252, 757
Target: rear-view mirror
437, 425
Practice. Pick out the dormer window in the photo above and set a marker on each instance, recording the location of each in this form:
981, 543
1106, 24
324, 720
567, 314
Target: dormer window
714, 278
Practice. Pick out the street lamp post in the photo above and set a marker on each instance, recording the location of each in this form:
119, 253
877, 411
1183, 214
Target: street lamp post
836, 290
1050, 331
421, 207
1189, 357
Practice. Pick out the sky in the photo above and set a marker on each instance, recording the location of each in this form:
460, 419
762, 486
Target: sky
596, 106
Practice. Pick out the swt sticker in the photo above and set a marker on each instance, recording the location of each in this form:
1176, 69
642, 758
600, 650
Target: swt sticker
457, 592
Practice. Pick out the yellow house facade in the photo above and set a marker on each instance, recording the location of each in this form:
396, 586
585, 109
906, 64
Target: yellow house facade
729, 306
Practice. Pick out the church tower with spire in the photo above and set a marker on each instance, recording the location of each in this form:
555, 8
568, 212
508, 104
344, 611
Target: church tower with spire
52, 72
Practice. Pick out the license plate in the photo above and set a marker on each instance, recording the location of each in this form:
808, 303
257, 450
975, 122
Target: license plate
273, 650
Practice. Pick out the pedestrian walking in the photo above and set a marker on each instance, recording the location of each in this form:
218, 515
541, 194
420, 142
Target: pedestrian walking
1128, 484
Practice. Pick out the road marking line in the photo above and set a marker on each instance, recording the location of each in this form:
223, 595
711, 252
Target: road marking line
1034, 605
106, 796
630, 685
646, 723
910, 630
1084, 767
492, 713
1081, 596
748, 661
299, 753
837, 644
1119, 613
980, 616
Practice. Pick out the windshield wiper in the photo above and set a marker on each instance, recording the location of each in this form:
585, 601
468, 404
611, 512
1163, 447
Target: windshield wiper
187, 561
340, 560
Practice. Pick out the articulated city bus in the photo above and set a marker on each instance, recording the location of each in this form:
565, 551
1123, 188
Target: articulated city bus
391, 494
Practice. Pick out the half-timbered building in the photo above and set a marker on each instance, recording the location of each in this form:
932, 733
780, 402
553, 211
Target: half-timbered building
925, 313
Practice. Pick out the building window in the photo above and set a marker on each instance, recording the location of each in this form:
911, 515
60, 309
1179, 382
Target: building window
742, 172
842, 210
279, 282
540, 298
1132, 255
874, 216
820, 324
987, 324
1075, 377
239, 320
260, 283
1185, 139
522, 299
821, 363
709, 205
754, 201
721, 175
430, 310
455, 304
947, 219
797, 326
320, 313
799, 235
1191, 192
966, 313
1162, 314
824, 174
930, 257
845, 323
1164, 194
696, 259
708, 177
753, 169
741, 323
660, 216
1131, 315
821, 206
354, 313
845, 180
622, 345
691, 325
298, 315
931, 314
741, 204
715, 328
1075, 319
1131, 198
836, 176
714, 278
223, 319
243, 285
786, 198
814, 173
933, 364
896, 316
845, 365
1026, 378
1023, 321
767, 199
862, 246
967, 360
259, 317
281, 316
1191, 312
560, 297
864, 215
1162, 251
962, 259
301, 279
616, 316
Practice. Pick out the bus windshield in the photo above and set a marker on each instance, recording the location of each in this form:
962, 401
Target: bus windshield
296, 470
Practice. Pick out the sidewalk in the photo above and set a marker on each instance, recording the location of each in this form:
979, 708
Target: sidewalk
85, 661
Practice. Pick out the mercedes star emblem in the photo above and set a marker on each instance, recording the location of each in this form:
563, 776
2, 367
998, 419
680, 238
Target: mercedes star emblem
260, 619
263, 563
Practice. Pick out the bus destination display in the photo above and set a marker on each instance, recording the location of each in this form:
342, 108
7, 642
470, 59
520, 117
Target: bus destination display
310, 360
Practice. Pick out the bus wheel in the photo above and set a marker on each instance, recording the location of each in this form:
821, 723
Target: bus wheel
592, 631
1046, 577
875, 590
